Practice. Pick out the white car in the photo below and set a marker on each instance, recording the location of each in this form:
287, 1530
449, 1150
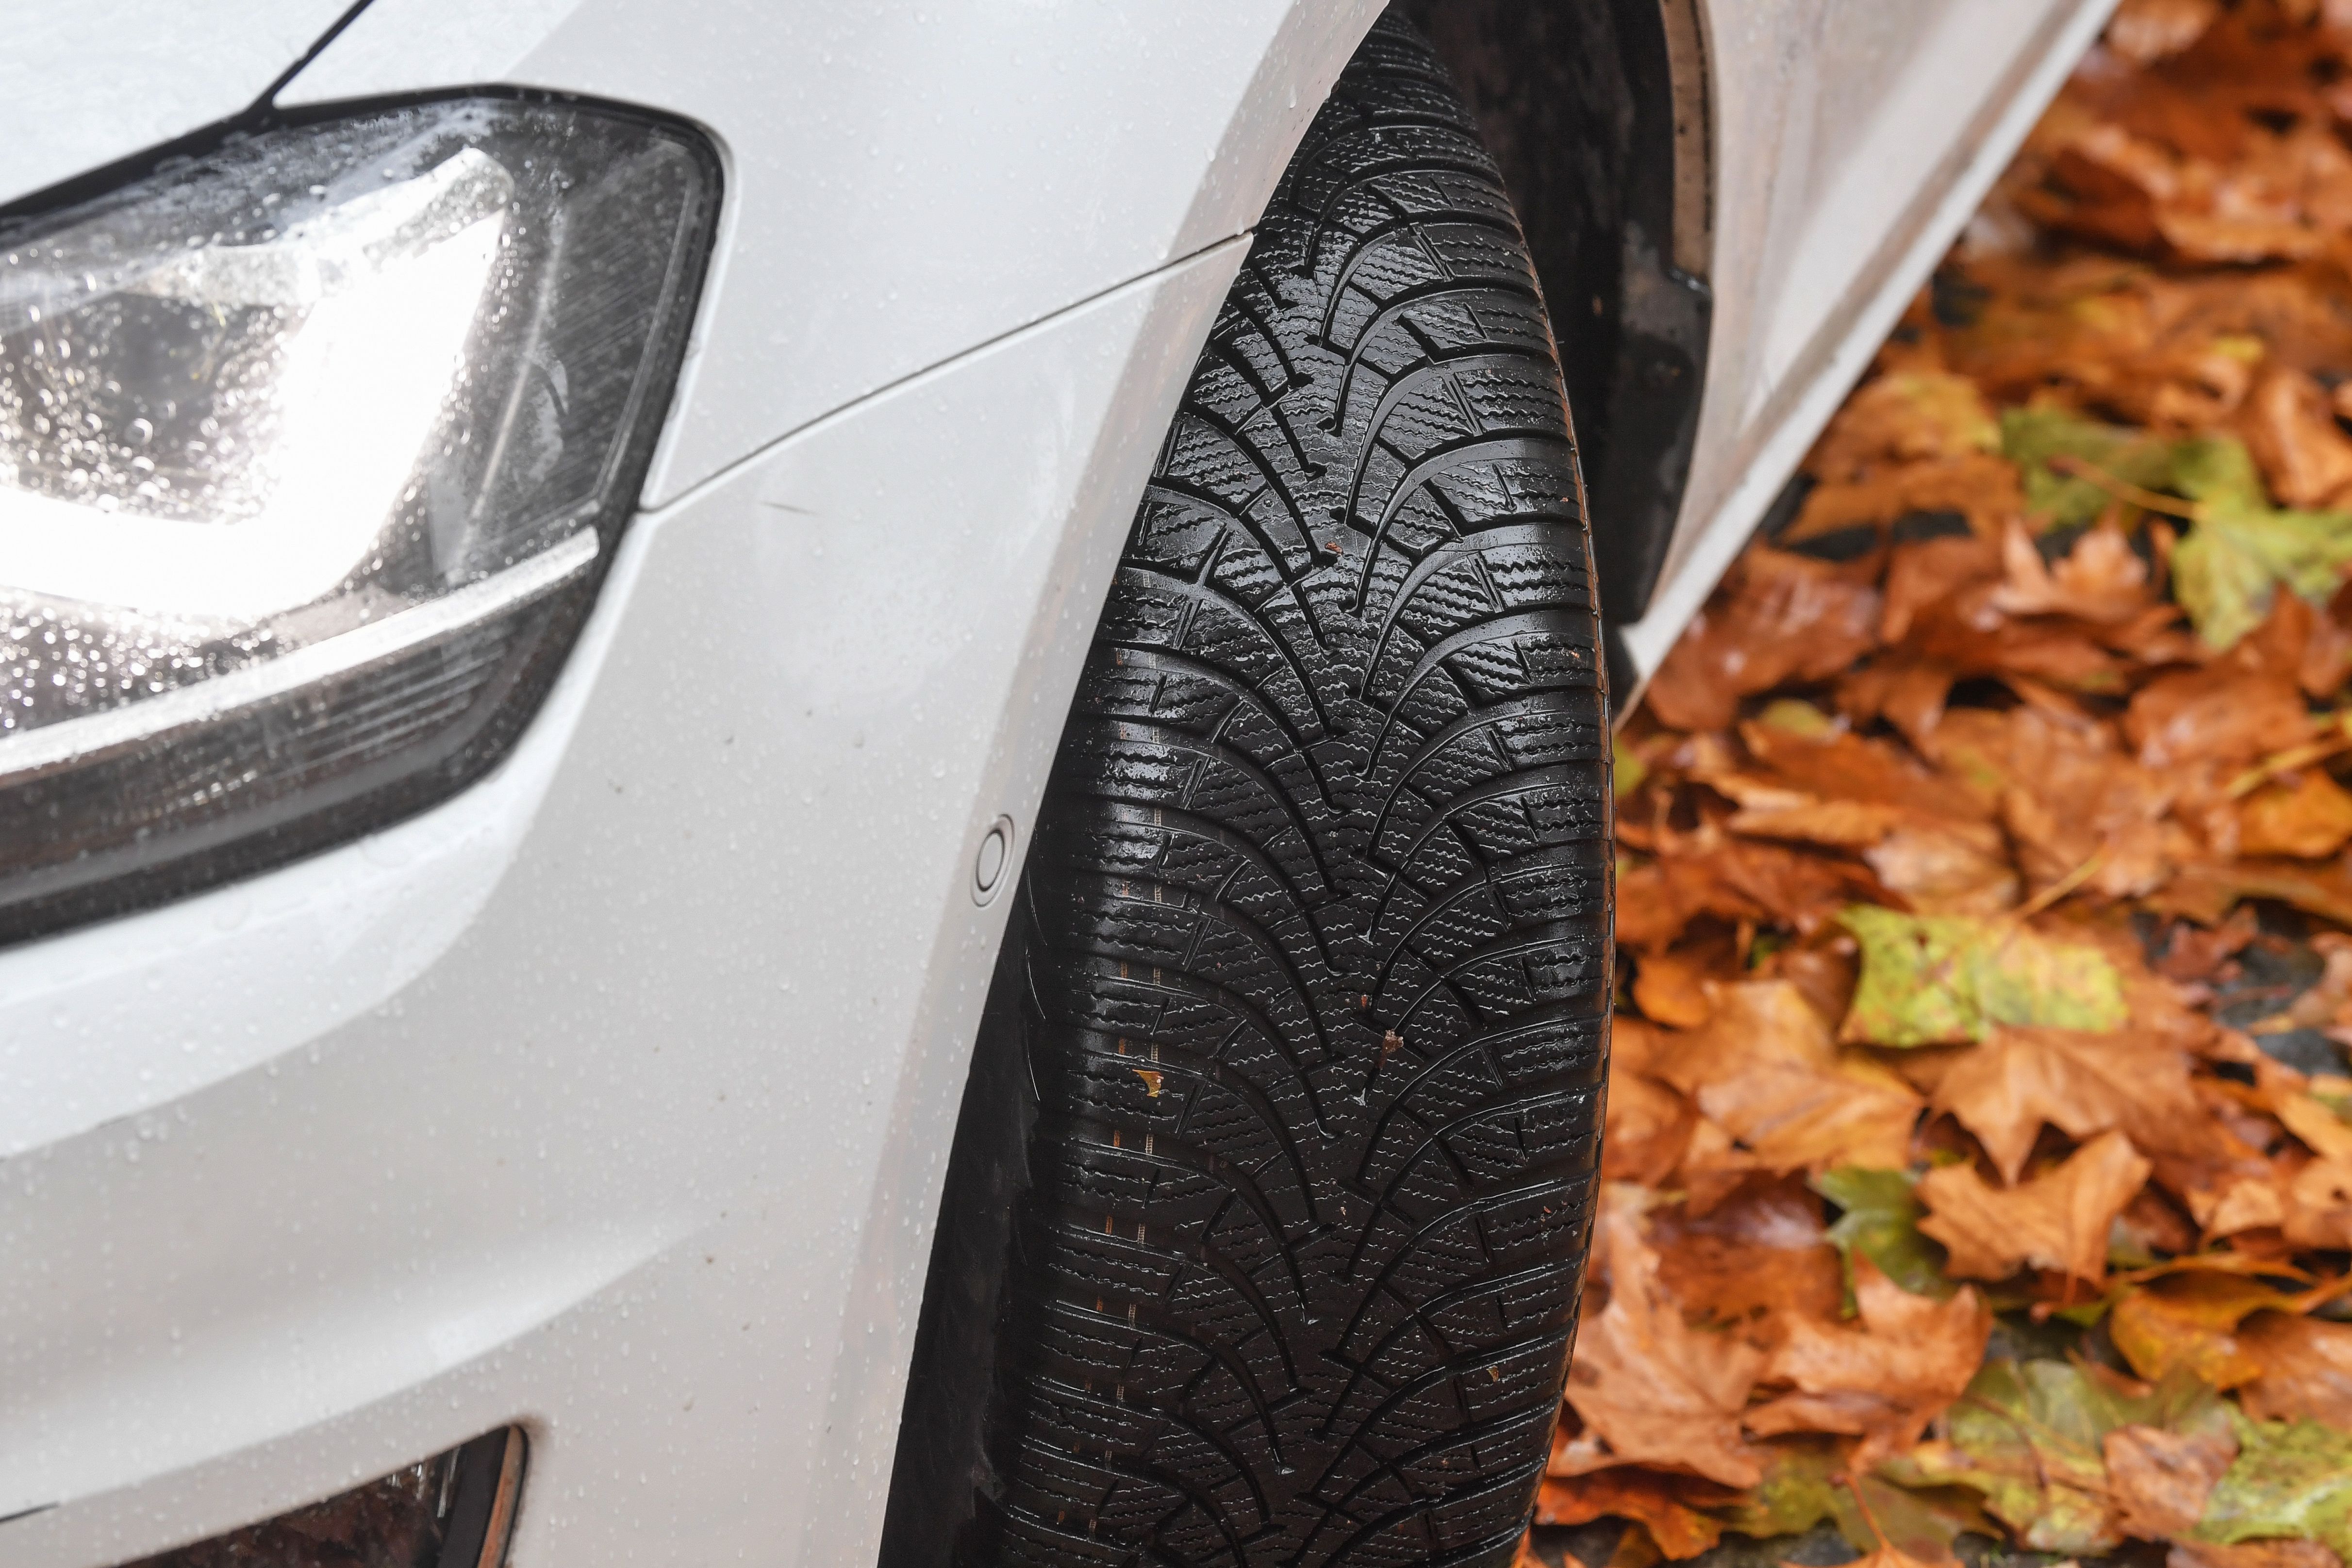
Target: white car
827, 783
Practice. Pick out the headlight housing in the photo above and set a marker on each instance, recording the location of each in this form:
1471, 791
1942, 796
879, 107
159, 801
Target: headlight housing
312, 451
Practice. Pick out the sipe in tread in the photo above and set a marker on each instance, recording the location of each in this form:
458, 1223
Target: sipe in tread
1312, 956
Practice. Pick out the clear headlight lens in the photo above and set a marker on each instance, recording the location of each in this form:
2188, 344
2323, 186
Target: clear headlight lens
311, 452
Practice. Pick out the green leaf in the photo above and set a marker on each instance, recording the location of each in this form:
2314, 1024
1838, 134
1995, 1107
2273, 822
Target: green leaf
1630, 769
1882, 1219
2291, 1479
1796, 1493
1796, 717
2239, 548
2031, 437
1937, 979
2029, 1435
2224, 571
2025, 1437
1920, 1524
2227, 570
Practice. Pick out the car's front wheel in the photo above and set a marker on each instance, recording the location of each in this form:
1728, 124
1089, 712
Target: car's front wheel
1268, 1212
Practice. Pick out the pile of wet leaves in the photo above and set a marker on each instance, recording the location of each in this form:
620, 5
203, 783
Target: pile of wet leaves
1978, 1175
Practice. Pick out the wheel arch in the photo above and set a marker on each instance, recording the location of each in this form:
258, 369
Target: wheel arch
1600, 118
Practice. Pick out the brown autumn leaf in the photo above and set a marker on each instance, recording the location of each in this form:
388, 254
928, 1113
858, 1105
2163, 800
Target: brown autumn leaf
1945, 869
2206, 890
1926, 839
2292, 433
2191, 1320
2068, 795
1671, 990
2007, 1089
1650, 1389
1710, 871
2099, 581
1835, 763
2032, 719
2307, 815
1930, 572
2223, 713
2193, 1553
1647, 1125
1983, 489
2057, 1222
1650, 1499
1776, 616
1774, 812
2305, 1369
1823, 972
2307, 1202
1767, 1070
1714, 1167
2327, 661
1904, 418
1763, 1250
1883, 1555
2146, 31
2158, 1481
1966, 634
1909, 693
1882, 1378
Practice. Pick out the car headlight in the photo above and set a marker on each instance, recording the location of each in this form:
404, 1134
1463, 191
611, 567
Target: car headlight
312, 453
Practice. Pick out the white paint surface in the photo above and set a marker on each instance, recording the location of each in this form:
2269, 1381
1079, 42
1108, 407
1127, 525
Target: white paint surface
906, 178
88, 84
647, 1155
1853, 138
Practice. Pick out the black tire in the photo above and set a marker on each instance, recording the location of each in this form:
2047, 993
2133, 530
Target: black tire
1310, 967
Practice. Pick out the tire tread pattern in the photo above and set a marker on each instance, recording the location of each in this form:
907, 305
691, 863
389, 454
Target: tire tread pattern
1317, 925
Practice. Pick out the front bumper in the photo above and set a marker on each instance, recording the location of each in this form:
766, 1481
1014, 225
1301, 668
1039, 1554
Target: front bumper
613, 1097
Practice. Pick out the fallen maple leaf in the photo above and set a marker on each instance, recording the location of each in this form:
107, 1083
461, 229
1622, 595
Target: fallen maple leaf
1982, 784
2100, 580
1881, 1222
2190, 1320
1881, 1379
2027, 1438
2191, 1553
2222, 713
1903, 418
2305, 1369
2158, 1481
1764, 1250
1647, 1129
2020, 1080
2146, 31
1777, 615
1982, 489
1934, 979
1765, 1070
2068, 795
2292, 433
1648, 1498
2208, 890
2056, 1222
1671, 991
2307, 817
2290, 1478
1880, 1556
1650, 1389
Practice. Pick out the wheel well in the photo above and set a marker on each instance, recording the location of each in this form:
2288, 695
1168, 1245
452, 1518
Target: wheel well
1597, 114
